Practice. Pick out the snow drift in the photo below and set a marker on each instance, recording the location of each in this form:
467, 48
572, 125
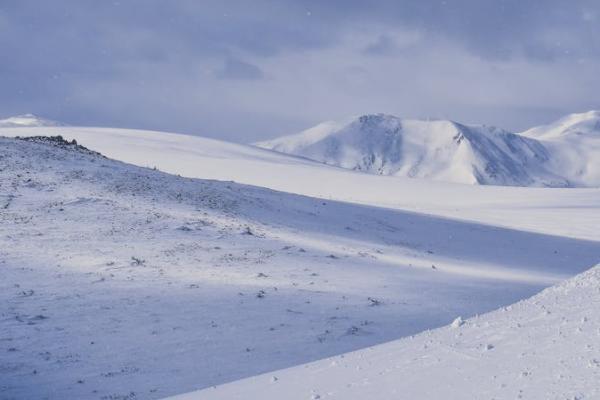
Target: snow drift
545, 347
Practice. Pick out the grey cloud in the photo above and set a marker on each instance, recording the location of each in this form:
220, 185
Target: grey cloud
384, 45
238, 69
495, 29
186, 65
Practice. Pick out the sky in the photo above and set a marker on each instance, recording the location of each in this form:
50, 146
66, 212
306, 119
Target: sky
251, 70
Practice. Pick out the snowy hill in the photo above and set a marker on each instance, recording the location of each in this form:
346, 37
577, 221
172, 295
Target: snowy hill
571, 212
127, 282
27, 120
563, 154
447, 151
574, 142
579, 124
546, 347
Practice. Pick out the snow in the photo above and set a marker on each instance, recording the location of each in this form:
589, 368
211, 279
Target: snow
127, 282
438, 150
27, 120
453, 152
587, 123
571, 212
457, 322
164, 276
575, 142
546, 347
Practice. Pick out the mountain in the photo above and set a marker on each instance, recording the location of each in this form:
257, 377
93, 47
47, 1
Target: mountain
449, 151
565, 153
27, 120
574, 142
585, 124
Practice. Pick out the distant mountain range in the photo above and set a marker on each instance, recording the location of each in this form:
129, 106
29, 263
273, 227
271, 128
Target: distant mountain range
563, 154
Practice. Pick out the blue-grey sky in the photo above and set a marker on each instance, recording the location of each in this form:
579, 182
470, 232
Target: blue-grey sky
249, 70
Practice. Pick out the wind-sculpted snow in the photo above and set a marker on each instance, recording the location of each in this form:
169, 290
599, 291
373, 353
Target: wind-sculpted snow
546, 347
122, 282
449, 151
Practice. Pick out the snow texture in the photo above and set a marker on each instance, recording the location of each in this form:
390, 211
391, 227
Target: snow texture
546, 347
122, 282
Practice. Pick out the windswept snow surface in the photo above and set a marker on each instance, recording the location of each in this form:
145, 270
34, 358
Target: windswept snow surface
453, 152
572, 212
546, 347
121, 282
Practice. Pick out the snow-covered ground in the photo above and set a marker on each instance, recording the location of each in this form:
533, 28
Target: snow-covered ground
546, 347
571, 212
121, 282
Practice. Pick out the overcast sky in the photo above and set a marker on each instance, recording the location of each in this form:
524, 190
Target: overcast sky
249, 70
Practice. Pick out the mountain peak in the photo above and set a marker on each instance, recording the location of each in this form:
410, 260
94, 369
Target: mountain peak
434, 149
368, 119
577, 118
576, 124
589, 114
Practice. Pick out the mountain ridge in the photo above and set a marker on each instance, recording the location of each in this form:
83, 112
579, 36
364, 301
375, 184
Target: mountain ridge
565, 153
446, 150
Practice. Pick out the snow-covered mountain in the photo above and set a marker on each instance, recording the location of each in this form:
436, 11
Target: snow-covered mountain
585, 124
574, 145
438, 150
563, 154
449, 151
27, 120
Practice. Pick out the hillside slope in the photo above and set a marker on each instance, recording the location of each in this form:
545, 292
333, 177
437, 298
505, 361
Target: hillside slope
572, 212
125, 282
545, 347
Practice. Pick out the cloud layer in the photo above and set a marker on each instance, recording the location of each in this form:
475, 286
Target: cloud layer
244, 71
